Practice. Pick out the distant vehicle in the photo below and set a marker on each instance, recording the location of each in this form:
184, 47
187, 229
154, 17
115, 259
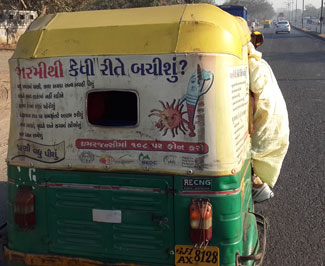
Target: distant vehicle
239, 11
281, 17
283, 26
267, 23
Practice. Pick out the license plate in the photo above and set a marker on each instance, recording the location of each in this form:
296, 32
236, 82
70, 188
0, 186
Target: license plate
189, 255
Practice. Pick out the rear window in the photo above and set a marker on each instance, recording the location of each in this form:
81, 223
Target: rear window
112, 108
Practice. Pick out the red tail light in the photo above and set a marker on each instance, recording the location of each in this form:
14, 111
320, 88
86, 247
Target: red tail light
24, 208
201, 221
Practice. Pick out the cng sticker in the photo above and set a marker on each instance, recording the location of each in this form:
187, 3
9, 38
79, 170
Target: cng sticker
197, 184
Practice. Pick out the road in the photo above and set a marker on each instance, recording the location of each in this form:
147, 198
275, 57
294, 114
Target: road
297, 213
4, 110
4, 129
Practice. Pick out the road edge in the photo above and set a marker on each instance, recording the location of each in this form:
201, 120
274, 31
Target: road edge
312, 33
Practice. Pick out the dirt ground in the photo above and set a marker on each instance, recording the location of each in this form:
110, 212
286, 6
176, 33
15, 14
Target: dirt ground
4, 110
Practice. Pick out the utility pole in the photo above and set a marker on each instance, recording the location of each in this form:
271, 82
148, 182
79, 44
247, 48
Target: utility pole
296, 12
292, 10
321, 17
302, 13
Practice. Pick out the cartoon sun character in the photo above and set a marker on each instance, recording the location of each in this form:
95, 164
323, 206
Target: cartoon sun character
171, 117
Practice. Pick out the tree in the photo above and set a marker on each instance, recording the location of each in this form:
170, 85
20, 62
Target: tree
115, 4
112, 4
311, 11
256, 9
48, 6
53, 6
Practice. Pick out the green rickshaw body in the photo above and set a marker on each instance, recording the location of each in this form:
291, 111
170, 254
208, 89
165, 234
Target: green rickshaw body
120, 120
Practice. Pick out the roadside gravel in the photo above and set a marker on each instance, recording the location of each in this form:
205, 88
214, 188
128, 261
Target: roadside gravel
4, 110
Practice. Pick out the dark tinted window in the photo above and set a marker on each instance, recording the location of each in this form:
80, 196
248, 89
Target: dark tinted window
112, 108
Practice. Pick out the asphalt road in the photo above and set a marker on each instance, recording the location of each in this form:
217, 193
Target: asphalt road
297, 213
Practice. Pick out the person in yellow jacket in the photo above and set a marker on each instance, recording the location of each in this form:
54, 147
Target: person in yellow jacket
270, 136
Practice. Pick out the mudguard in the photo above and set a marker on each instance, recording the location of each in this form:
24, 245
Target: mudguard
251, 243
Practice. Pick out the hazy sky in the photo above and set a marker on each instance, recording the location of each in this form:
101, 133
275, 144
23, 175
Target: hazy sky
284, 3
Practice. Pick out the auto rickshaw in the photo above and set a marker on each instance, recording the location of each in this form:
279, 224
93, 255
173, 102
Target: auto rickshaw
267, 23
129, 140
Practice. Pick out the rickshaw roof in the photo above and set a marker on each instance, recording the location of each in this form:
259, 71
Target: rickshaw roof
194, 28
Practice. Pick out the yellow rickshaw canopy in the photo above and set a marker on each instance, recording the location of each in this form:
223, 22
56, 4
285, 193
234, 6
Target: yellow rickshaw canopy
195, 28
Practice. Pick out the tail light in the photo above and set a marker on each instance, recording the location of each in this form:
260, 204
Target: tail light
24, 208
200, 221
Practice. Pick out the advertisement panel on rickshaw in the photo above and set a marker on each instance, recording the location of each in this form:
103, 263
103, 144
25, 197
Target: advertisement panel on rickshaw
176, 130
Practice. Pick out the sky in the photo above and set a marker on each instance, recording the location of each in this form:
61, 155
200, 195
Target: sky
284, 3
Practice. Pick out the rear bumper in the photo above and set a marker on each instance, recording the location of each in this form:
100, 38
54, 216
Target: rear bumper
283, 30
53, 260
